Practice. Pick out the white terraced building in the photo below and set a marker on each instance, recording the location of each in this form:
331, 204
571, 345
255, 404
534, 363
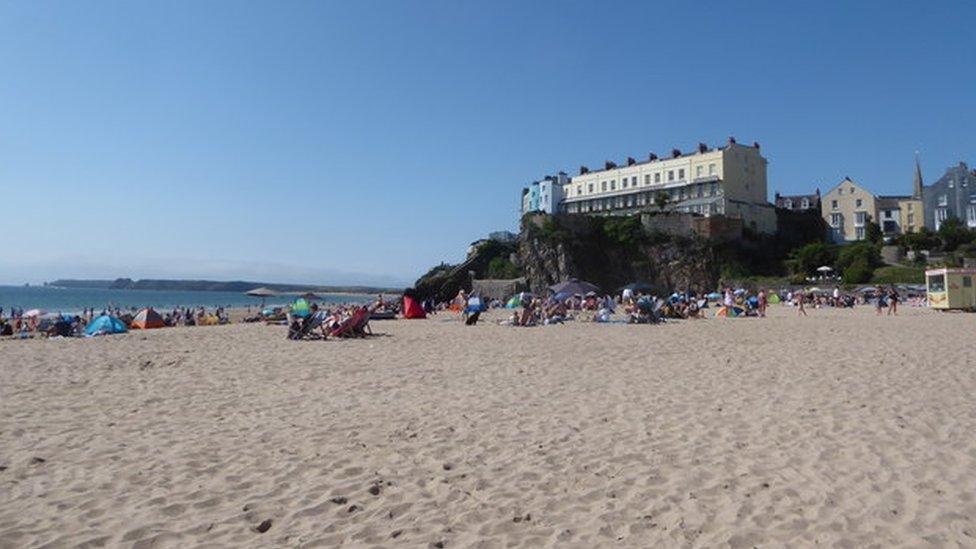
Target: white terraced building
729, 180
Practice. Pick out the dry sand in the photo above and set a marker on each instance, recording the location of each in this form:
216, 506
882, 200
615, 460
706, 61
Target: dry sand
841, 429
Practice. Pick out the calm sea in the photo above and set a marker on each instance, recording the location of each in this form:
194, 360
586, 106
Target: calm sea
73, 300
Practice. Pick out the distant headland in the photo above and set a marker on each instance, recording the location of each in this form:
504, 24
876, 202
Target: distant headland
211, 286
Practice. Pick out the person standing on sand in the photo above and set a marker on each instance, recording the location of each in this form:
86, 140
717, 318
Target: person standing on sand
800, 311
761, 305
892, 301
879, 302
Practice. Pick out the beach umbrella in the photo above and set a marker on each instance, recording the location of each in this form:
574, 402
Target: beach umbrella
824, 269
35, 312
312, 296
105, 325
261, 292
574, 286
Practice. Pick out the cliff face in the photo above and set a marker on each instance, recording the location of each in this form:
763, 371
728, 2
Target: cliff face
443, 282
612, 254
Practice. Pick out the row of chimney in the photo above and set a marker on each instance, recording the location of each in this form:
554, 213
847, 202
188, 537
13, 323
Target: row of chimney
675, 153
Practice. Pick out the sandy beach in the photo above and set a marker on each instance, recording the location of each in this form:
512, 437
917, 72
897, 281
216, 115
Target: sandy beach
840, 430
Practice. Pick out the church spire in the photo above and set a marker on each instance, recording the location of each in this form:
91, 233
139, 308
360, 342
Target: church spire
917, 183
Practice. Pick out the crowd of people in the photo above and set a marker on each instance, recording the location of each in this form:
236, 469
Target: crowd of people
16, 322
640, 307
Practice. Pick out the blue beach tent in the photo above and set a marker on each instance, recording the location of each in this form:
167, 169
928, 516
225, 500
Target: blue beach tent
105, 325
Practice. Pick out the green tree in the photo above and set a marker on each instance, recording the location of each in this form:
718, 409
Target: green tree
624, 230
858, 272
501, 267
872, 233
813, 255
862, 255
924, 239
661, 200
953, 233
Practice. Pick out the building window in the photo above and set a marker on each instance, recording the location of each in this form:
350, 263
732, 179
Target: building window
836, 220
804, 204
699, 170
613, 184
857, 203
647, 179
714, 188
943, 200
579, 190
971, 216
681, 174
911, 219
840, 190
590, 187
788, 204
633, 181
860, 218
967, 282
833, 204
941, 214
670, 175
859, 233
887, 214
852, 190
603, 186
657, 177
698, 191
909, 206
711, 169
623, 183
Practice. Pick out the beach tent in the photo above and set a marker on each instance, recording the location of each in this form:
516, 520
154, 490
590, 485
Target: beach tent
105, 325
412, 308
147, 319
730, 312
300, 308
518, 299
773, 298
714, 295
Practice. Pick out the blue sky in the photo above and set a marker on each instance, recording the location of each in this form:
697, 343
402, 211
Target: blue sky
366, 141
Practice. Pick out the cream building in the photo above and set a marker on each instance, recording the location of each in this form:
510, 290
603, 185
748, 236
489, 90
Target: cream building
729, 180
849, 207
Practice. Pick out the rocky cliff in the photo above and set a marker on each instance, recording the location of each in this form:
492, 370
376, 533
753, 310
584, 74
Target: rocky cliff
615, 251
612, 253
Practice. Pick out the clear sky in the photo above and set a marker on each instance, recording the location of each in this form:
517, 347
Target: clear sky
364, 141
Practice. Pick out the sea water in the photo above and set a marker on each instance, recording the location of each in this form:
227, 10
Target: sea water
74, 300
